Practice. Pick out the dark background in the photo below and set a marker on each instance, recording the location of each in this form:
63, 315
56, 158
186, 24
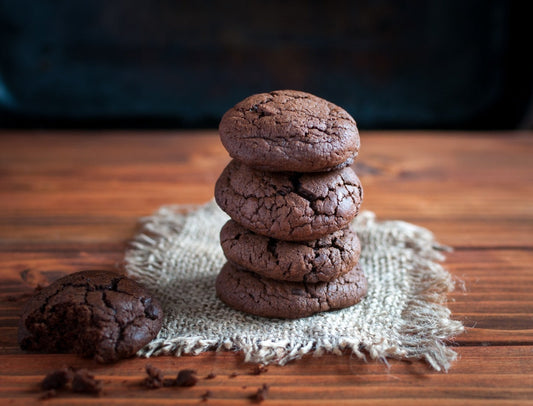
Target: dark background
172, 64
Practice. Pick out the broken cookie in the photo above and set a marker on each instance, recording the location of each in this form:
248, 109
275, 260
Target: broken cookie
96, 314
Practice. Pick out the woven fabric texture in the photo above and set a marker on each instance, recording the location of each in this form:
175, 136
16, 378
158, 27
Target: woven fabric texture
177, 255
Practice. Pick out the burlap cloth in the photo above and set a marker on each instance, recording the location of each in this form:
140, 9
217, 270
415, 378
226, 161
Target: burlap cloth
177, 256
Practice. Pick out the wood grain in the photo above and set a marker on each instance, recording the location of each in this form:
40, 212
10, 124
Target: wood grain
507, 374
71, 201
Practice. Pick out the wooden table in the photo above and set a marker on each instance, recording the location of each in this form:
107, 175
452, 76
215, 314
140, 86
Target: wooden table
70, 200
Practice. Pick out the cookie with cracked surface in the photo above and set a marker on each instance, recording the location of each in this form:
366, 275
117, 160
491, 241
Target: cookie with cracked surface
96, 314
286, 205
289, 130
251, 293
309, 261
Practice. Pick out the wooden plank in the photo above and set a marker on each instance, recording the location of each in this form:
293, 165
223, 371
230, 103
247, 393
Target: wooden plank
480, 374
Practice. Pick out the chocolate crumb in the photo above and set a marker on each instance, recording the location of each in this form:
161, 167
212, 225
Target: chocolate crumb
51, 393
186, 377
207, 394
80, 381
259, 369
154, 372
57, 379
155, 377
261, 394
84, 382
233, 375
211, 376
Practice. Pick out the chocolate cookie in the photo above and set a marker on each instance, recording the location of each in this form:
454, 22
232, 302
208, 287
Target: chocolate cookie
254, 294
96, 314
289, 206
288, 130
310, 261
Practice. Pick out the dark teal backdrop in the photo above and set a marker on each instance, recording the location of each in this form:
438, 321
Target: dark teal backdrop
135, 63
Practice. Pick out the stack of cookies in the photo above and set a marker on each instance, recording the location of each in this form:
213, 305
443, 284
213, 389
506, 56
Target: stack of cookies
291, 196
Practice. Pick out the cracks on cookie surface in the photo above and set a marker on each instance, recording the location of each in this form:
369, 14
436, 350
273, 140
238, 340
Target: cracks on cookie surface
290, 129
80, 313
298, 189
272, 246
313, 261
279, 104
288, 205
254, 294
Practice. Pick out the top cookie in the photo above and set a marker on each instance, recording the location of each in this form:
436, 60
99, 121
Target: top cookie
288, 130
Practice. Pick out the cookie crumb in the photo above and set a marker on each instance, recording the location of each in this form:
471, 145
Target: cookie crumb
76, 380
206, 395
49, 394
261, 394
259, 369
211, 376
155, 377
186, 377
84, 382
57, 379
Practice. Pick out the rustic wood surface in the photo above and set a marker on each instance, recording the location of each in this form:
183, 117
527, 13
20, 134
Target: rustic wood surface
70, 201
